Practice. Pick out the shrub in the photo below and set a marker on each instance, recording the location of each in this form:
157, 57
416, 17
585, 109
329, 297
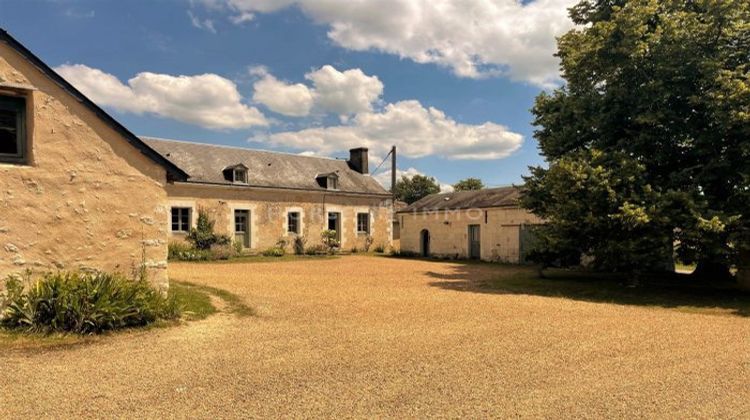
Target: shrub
330, 240
274, 252
316, 250
177, 248
299, 245
368, 243
354, 250
82, 303
238, 247
222, 252
380, 249
202, 236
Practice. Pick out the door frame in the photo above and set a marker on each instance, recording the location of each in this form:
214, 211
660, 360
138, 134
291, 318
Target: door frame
247, 237
478, 229
424, 243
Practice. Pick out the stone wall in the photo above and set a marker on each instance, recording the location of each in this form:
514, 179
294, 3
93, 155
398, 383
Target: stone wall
499, 232
268, 213
87, 199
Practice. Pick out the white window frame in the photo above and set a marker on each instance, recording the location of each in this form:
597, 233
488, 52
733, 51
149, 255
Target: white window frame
369, 220
242, 178
180, 219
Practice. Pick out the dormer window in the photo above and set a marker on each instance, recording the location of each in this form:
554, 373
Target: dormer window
329, 181
236, 174
240, 176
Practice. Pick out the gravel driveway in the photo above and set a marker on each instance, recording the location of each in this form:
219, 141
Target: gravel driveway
371, 337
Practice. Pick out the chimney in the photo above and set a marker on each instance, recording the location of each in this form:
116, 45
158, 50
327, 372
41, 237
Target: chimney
358, 160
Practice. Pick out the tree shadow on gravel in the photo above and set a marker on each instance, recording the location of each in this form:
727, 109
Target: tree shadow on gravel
678, 292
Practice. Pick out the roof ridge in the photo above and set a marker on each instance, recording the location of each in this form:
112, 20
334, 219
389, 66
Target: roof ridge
226, 146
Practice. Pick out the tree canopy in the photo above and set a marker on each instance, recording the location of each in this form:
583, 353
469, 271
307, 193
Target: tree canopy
468, 184
648, 140
411, 189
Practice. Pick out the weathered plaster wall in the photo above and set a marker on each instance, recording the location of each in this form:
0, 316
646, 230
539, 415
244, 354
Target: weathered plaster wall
499, 234
87, 199
268, 213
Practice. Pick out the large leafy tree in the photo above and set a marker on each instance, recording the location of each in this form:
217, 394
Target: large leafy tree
649, 138
411, 189
468, 184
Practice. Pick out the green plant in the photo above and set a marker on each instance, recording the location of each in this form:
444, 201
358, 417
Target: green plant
380, 248
330, 240
222, 252
368, 243
177, 248
299, 245
354, 250
82, 303
238, 247
202, 236
274, 252
316, 250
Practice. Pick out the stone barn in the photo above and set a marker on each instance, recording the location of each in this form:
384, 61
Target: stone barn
486, 224
78, 191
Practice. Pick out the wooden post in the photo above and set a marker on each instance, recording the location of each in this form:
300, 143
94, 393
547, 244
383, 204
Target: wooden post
393, 176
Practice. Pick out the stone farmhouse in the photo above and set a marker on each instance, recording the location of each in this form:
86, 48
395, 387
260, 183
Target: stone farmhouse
78, 191
485, 224
260, 198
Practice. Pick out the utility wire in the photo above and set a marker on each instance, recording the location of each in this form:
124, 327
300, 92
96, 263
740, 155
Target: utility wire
381, 163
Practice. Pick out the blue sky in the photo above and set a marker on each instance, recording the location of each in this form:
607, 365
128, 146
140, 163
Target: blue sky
314, 77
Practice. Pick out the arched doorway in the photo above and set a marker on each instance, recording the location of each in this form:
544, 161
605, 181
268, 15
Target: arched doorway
424, 241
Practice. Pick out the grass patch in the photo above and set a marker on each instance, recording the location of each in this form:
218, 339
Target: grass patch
195, 303
234, 303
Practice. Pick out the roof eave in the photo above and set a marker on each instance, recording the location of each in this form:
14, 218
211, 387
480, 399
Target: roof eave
174, 173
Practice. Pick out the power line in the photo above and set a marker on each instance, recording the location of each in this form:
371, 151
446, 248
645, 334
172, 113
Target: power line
381, 163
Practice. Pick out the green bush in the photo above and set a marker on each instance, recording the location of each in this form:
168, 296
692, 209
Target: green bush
330, 240
202, 236
299, 245
380, 249
82, 303
274, 252
222, 252
316, 250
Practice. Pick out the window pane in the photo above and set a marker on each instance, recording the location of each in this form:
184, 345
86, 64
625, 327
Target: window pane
293, 222
8, 132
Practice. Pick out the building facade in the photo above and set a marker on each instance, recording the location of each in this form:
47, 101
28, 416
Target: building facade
261, 198
78, 191
485, 224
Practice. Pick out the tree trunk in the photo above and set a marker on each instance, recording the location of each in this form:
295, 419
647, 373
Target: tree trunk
712, 271
743, 271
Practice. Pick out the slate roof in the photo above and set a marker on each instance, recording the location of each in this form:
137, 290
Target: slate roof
489, 197
204, 164
173, 172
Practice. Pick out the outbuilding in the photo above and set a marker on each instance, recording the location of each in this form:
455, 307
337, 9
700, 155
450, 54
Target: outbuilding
484, 224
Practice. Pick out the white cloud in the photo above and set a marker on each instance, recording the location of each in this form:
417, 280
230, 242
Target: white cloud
241, 18
346, 92
207, 100
416, 130
340, 92
294, 100
474, 38
205, 24
384, 178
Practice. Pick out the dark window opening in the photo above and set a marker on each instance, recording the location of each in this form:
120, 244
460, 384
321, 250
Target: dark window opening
293, 222
363, 222
12, 129
181, 219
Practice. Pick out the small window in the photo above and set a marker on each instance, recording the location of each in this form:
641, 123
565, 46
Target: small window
363, 222
181, 219
292, 219
12, 129
333, 183
240, 176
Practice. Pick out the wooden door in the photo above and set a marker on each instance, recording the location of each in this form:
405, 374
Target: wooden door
475, 251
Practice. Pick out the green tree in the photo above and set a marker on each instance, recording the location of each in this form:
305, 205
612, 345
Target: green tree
658, 85
202, 236
411, 189
468, 184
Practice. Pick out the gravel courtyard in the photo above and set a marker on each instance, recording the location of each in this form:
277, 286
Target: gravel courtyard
373, 337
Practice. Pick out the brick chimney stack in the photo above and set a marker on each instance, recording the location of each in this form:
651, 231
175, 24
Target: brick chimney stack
358, 160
